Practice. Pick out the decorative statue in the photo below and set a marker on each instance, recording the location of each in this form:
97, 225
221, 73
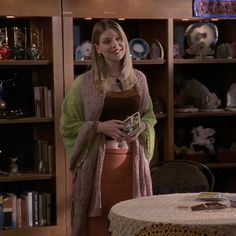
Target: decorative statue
203, 137
13, 167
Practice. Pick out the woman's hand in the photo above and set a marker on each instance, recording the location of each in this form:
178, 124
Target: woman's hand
133, 136
113, 129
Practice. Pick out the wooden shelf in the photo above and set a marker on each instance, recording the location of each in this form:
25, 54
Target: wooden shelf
24, 177
26, 120
204, 114
29, 231
25, 62
204, 61
221, 165
135, 62
161, 116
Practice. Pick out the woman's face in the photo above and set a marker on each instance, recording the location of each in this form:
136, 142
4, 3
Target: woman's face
111, 46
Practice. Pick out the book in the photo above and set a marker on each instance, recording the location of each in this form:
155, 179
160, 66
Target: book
132, 123
49, 202
210, 196
35, 206
30, 208
41, 156
7, 211
13, 203
43, 101
44, 209
1, 212
208, 206
42, 217
24, 211
18, 213
50, 159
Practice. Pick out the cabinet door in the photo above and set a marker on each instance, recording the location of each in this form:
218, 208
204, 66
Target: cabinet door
202, 102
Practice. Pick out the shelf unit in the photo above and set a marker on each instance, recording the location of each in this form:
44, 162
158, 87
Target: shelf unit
217, 75
18, 134
156, 70
149, 21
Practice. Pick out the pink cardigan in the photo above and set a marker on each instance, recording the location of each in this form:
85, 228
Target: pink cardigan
87, 154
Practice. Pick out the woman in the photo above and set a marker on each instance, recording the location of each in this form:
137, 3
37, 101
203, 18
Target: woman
108, 165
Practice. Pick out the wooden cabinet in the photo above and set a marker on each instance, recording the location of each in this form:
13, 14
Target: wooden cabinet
25, 132
78, 30
174, 128
165, 22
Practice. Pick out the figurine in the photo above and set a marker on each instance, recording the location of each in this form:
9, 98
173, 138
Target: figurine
203, 137
194, 93
13, 170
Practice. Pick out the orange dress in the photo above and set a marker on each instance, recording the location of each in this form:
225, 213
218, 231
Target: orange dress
116, 180
116, 186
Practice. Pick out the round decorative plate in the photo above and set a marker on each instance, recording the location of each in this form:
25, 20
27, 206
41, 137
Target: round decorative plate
86, 47
139, 48
201, 38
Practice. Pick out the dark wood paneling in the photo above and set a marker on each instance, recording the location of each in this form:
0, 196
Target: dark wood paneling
30, 7
132, 8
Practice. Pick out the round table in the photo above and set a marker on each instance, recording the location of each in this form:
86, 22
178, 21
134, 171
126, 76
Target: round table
171, 214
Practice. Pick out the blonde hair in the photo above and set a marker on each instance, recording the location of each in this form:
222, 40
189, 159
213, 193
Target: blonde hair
99, 67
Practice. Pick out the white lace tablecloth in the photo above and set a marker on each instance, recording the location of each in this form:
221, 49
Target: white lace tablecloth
129, 217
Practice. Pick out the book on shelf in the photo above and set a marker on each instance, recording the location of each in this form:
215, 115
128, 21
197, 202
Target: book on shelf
24, 211
18, 212
44, 209
7, 211
30, 209
35, 208
43, 101
29, 204
13, 202
1, 212
43, 157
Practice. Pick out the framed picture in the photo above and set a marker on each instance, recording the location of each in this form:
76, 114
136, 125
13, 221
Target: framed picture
214, 8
